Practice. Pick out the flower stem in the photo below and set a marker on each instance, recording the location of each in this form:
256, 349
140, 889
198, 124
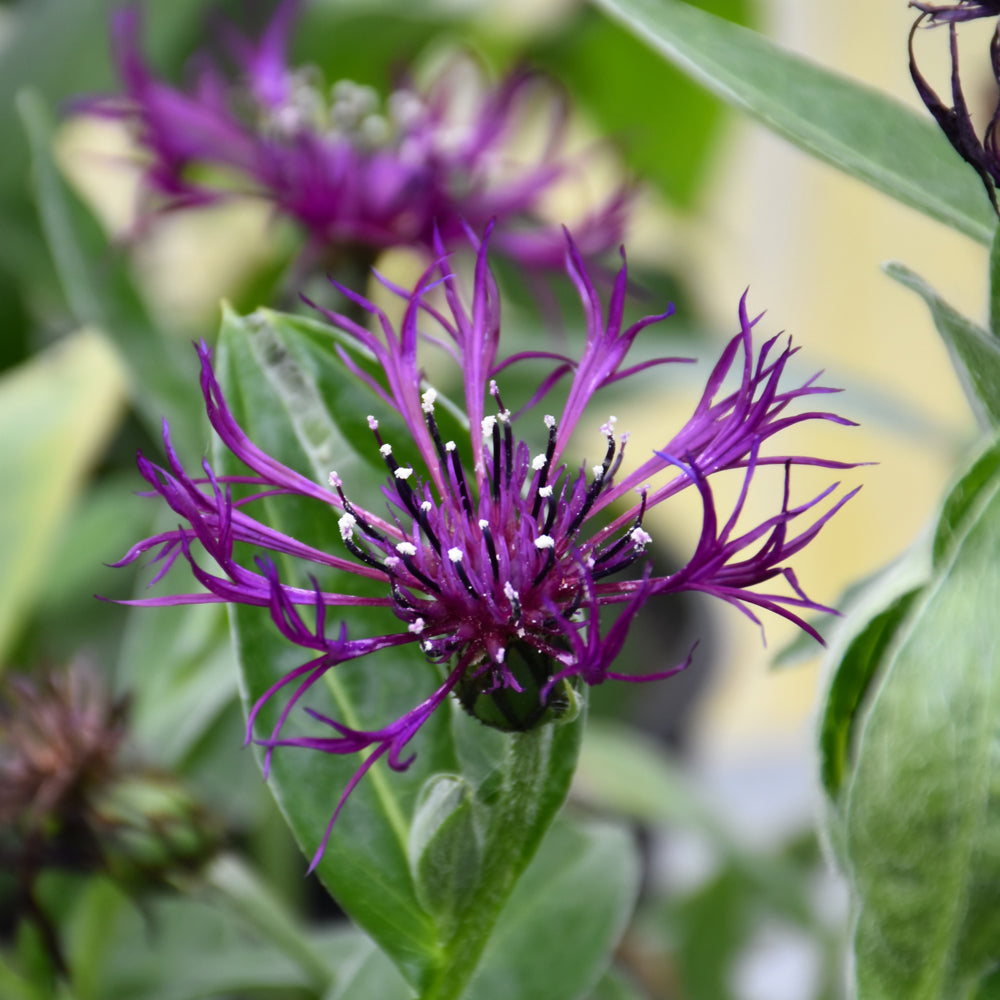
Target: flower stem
535, 777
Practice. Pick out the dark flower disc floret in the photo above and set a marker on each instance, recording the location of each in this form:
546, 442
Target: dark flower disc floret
498, 565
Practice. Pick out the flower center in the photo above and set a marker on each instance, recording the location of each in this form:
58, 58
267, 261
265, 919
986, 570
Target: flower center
493, 571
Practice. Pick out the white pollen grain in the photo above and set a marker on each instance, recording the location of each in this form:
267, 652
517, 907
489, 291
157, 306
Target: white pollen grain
406, 548
545, 542
539, 462
402, 473
346, 524
456, 555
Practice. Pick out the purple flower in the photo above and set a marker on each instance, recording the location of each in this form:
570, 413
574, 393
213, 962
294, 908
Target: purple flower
355, 173
497, 555
983, 155
963, 10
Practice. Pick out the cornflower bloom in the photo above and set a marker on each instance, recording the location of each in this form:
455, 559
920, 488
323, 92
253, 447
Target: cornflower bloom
356, 174
496, 557
983, 155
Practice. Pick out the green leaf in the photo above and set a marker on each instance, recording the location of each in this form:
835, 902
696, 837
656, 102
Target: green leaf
611, 75
444, 851
57, 413
975, 355
366, 864
555, 937
855, 671
241, 892
923, 805
995, 284
856, 129
98, 287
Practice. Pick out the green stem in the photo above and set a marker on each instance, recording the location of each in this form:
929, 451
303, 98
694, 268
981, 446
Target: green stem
537, 771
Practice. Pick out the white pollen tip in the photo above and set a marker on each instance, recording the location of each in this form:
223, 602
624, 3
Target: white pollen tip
428, 399
545, 491
509, 592
402, 473
483, 523
488, 424
501, 655
550, 421
504, 416
427, 646
456, 555
450, 446
335, 480
640, 538
545, 542
426, 506
386, 450
416, 627
598, 471
538, 462
406, 548
493, 387
372, 423
623, 437
346, 524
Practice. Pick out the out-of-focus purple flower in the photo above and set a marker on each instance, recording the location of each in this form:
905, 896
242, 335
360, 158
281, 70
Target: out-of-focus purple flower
983, 155
497, 555
356, 173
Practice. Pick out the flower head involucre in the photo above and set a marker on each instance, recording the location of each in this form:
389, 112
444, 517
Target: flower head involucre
358, 174
497, 556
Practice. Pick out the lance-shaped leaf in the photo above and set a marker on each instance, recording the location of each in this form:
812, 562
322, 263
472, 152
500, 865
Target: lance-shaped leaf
922, 807
856, 129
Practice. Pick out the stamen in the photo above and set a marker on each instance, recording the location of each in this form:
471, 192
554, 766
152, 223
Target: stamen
543, 469
402, 473
427, 400
406, 548
456, 555
496, 463
490, 548
346, 523
456, 464
416, 627
640, 538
